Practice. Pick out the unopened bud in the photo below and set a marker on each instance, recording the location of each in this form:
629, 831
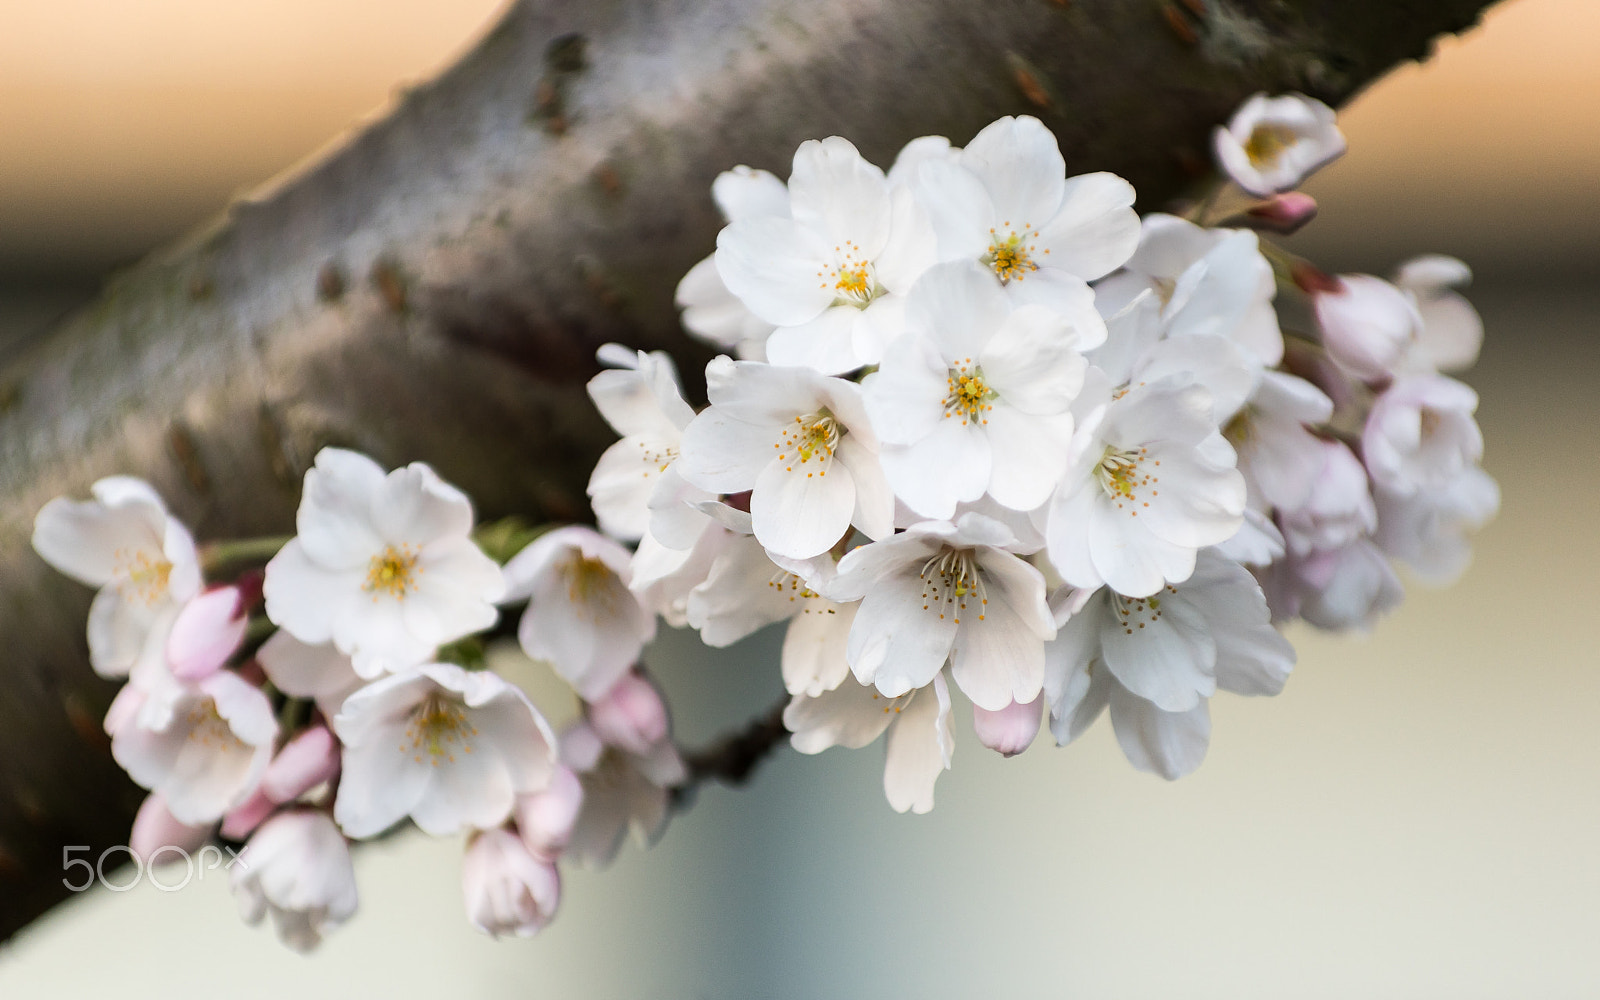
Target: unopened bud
1366, 324
1285, 213
243, 818
157, 832
206, 632
631, 715
305, 762
545, 819
1010, 730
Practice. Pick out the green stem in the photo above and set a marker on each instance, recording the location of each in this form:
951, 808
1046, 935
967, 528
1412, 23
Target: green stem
214, 555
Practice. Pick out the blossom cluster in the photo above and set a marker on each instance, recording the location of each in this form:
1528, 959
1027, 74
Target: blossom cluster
985, 436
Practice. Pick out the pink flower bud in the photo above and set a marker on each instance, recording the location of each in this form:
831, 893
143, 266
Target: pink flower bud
238, 823
207, 631
1010, 730
631, 715
1284, 213
1366, 324
304, 763
506, 888
157, 834
545, 819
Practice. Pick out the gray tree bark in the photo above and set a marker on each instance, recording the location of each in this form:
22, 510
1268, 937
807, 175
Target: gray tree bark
435, 287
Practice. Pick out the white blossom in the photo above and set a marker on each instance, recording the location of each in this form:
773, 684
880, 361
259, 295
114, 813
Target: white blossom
384, 566
941, 592
1272, 144
1428, 529
1451, 331
1278, 456
1338, 508
300, 670
142, 559
297, 868
1156, 660
635, 487
1005, 201
581, 617
852, 715
1338, 589
1151, 483
710, 311
447, 747
975, 398
801, 443
1367, 324
830, 276
1420, 434
506, 888
202, 746
622, 793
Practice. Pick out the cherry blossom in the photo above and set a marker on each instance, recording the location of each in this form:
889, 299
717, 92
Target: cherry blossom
710, 311
1428, 529
975, 397
384, 565
506, 887
622, 792
1273, 143
449, 748
142, 559
1420, 434
297, 868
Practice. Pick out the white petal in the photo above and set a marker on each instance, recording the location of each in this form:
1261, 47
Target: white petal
835, 192
745, 193
874, 500
959, 304
920, 746
1166, 656
952, 464
1030, 363
905, 397
305, 599
772, 266
814, 659
415, 506
335, 519
959, 209
850, 715
996, 659
896, 644
1170, 744
1096, 229
1021, 167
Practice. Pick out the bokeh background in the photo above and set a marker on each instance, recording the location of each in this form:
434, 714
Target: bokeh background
1417, 816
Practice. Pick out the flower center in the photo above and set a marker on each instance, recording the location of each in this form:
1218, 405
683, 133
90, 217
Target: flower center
1123, 477
659, 456
592, 585
949, 580
1428, 422
1241, 429
208, 728
1011, 255
795, 589
1135, 613
393, 571
851, 276
812, 435
439, 728
969, 396
142, 576
1267, 143
895, 705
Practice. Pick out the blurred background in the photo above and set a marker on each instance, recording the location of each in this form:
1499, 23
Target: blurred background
1417, 816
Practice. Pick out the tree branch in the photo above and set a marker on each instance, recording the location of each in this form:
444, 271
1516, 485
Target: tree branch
735, 756
434, 287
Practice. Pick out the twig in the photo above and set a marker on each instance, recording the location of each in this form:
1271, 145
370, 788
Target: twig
733, 758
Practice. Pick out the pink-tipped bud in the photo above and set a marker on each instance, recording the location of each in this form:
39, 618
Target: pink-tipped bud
1285, 213
207, 631
506, 887
305, 762
1366, 324
631, 716
1010, 730
545, 819
159, 836
243, 818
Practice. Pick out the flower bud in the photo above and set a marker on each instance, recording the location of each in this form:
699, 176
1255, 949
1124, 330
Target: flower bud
1366, 324
1285, 213
1010, 730
631, 715
506, 888
297, 866
247, 815
545, 819
305, 762
207, 631
158, 834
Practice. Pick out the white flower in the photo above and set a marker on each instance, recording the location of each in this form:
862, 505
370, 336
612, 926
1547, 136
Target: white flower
449, 748
852, 715
1151, 483
1338, 589
1366, 324
384, 566
635, 487
1278, 457
975, 397
1451, 331
831, 275
1420, 434
1137, 349
664, 577
1156, 660
581, 616
300, 670
142, 559
1337, 510
1428, 529
1207, 281
1273, 143
202, 746
296, 867
622, 792
942, 592
745, 591
710, 311
801, 443
1005, 201
507, 890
